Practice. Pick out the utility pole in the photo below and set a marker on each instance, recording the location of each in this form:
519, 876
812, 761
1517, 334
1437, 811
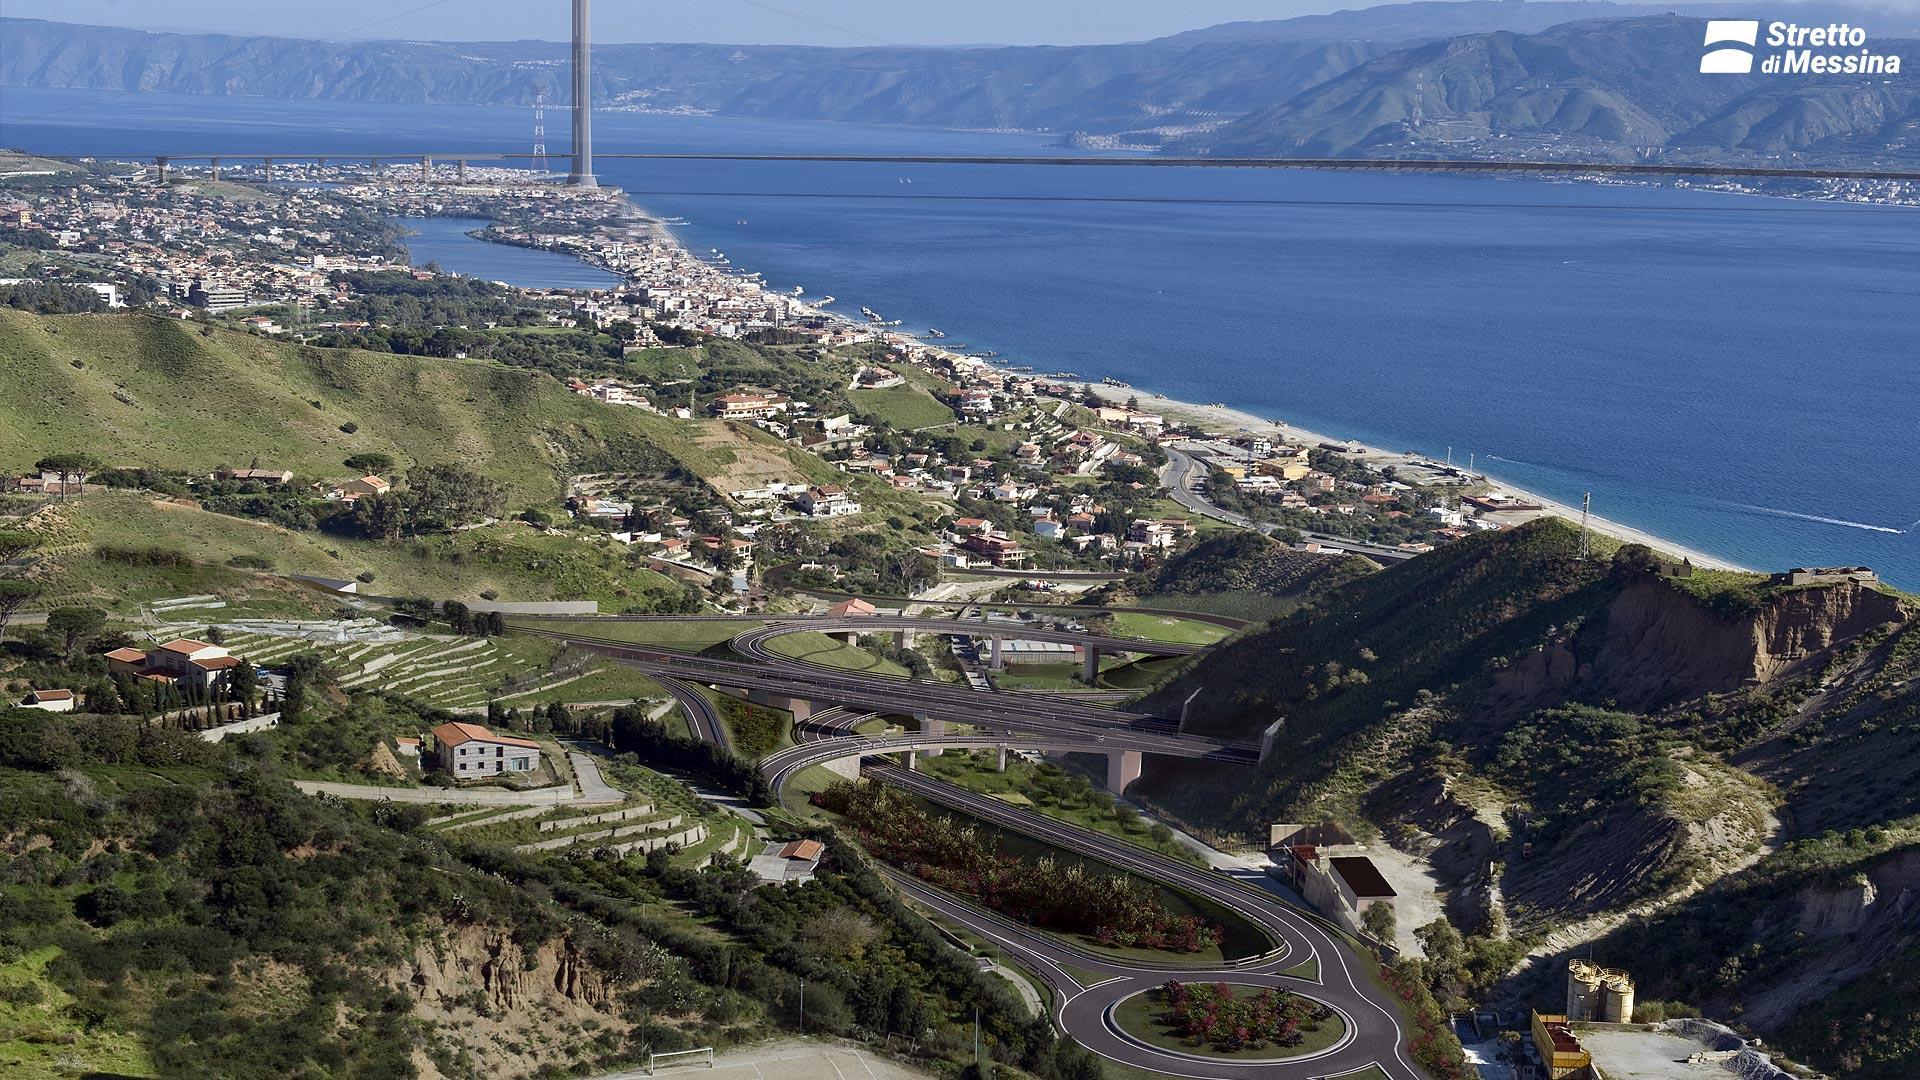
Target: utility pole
1188, 704
1586, 512
803, 1004
977, 1064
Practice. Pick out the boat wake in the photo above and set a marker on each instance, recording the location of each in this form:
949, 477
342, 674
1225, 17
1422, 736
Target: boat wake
1842, 522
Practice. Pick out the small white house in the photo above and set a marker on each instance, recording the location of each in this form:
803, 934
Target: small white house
49, 700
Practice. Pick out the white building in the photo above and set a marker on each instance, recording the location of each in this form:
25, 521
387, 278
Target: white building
827, 502
49, 701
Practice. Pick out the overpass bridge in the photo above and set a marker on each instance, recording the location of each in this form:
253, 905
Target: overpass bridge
803, 689
997, 632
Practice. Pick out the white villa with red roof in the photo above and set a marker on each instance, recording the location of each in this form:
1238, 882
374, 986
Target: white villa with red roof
182, 661
470, 751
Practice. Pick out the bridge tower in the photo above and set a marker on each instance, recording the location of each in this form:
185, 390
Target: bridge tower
541, 167
582, 174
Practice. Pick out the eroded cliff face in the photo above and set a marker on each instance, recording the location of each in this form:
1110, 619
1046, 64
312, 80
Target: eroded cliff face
1855, 925
1660, 646
487, 999
474, 958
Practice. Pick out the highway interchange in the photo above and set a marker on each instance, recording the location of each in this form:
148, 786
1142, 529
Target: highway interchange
1087, 986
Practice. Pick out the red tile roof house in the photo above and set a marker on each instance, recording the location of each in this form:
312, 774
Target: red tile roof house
470, 752
180, 661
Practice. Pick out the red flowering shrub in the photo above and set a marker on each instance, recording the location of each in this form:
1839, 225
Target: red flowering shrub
1115, 910
1214, 1015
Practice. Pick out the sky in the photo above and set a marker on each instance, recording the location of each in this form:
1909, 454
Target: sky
808, 22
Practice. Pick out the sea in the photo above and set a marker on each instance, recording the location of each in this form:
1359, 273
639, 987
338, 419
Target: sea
1739, 374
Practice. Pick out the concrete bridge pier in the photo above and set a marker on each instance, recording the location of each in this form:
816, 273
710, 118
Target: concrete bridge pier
846, 637
903, 639
930, 726
999, 759
1269, 737
801, 708
1090, 665
998, 663
1123, 768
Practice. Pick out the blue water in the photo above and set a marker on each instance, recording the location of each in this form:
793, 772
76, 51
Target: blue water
1738, 374
444, 240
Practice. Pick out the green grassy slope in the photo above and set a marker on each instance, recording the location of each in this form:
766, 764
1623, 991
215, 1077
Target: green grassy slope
137, 390
512, 560
904, 407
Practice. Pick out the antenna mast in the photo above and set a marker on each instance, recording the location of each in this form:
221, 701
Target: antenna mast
1586, 512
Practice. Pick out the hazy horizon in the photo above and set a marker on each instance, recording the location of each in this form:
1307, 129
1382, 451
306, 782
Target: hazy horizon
741, 22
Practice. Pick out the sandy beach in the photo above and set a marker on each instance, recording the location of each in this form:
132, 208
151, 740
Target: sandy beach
1226, 420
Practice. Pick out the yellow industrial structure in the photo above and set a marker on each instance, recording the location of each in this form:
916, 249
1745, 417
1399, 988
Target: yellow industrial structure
1599, 994
1560, 1053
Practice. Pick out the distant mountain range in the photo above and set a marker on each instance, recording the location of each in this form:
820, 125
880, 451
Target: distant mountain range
1583, 77
1603, 90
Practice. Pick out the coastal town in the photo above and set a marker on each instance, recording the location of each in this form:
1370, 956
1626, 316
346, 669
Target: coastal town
1037, 470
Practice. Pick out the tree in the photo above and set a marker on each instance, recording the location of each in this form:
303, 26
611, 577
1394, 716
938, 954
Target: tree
16, 542
382, 517
74, 626
459, 619
1378, 920
67, 466
14, 595
448, 496
370, 464
243, 683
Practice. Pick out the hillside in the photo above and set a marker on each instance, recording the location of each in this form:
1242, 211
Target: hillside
174, 907
1579, 749
1602, 90
1426, 20
147, 392
1098, 88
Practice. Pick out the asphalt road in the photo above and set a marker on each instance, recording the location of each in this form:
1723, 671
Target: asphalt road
1184, 476
1083, 1003
1305, 958
701, 715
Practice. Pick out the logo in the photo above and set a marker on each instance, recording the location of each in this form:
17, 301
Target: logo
1726, 60
1732, 46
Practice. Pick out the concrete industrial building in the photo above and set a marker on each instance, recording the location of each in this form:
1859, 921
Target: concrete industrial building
1325, 865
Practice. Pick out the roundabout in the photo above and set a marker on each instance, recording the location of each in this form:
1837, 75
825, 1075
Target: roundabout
1240, 1022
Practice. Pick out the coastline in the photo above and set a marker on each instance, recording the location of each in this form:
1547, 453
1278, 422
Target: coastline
1226, 420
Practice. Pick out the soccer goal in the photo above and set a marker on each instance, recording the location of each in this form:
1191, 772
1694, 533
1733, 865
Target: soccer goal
678, 1057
